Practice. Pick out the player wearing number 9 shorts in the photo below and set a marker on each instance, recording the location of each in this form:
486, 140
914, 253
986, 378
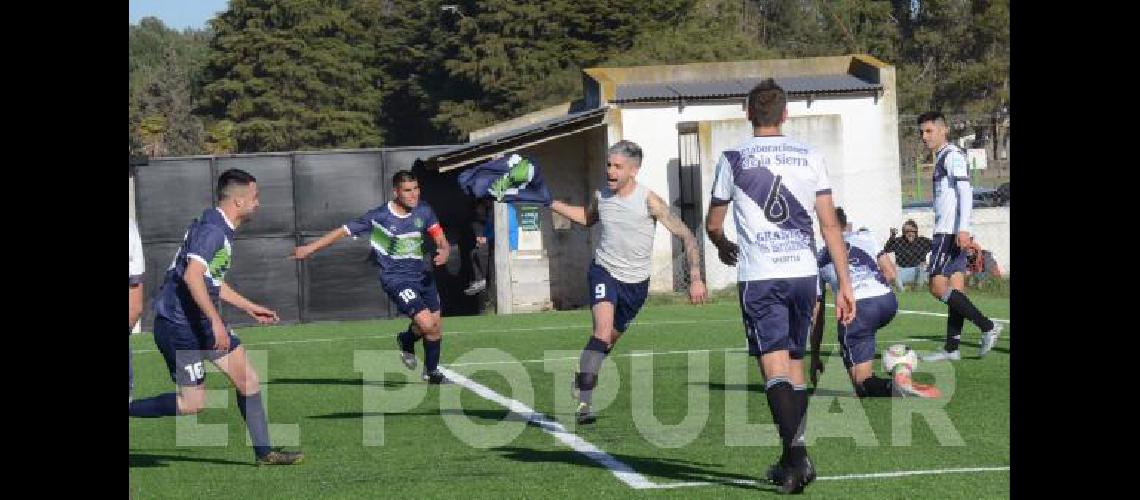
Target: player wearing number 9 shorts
397, 231
619, 275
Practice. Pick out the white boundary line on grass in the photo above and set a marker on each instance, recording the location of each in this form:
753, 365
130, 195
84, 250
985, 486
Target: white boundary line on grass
622, 471
927, 313
619, 469
664, 353
875, 475
542, 328
457, 332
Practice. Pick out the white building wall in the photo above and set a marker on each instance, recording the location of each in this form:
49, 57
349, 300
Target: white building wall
655, 130
865, 178
990, 229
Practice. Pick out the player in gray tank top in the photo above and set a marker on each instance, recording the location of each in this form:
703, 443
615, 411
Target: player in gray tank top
625, 247
619, 275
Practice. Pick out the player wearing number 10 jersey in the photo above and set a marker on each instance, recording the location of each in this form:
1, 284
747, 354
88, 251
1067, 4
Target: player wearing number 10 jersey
396, 231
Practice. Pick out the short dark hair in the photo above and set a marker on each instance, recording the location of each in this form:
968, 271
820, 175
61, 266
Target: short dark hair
931, 116
233, 177
403, 176
910, 223
766, 103
842, 216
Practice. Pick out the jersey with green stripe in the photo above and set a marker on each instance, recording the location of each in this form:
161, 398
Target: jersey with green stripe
207, 240
397, 240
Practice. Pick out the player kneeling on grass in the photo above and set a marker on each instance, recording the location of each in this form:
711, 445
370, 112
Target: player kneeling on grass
619, 274
396, 231
877, 306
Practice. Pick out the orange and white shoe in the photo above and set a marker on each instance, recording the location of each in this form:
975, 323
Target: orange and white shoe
905, 387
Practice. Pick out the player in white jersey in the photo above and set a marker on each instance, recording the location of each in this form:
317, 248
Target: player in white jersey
871, 272
772, 180
619, 273
953, 202
135, 296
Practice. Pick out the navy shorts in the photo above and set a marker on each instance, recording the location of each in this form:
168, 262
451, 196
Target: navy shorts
184, 346
627, 298
945, 256
412, 296
777, 314
857, 340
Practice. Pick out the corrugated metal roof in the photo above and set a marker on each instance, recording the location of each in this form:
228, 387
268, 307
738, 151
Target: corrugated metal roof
739, 87
463, 154
559, 121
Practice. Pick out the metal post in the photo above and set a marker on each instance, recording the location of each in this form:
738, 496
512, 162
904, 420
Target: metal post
504, 293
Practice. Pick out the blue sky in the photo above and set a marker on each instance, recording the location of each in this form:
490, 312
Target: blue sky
177, 14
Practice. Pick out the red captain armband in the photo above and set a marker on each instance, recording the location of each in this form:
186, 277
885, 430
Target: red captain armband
435, 230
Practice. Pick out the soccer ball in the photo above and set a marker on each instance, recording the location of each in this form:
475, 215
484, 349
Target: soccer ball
899, 355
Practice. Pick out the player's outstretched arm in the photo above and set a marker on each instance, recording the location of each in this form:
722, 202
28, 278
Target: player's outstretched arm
304, 251
660, 211
262, 314
829, 226
586, 216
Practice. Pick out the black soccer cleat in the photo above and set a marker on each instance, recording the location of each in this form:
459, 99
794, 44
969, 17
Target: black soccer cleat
796, 478
277, 457
775, 473
793, 483
434, 378
810, 467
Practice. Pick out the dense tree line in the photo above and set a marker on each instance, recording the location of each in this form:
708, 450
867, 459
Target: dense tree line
278, 75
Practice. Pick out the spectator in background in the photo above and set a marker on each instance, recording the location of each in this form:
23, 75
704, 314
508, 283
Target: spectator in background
910, 255
483, 227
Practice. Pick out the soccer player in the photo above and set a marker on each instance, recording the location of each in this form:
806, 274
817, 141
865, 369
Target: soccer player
396, 231
770, 179
135, 297
188, 326
871, 272
619, 274
953, 202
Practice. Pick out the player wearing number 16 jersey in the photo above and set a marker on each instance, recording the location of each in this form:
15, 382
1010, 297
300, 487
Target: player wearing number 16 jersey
188, 328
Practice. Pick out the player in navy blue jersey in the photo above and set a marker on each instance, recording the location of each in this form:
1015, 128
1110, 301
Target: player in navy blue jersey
953, 203
396, 231
188, 327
